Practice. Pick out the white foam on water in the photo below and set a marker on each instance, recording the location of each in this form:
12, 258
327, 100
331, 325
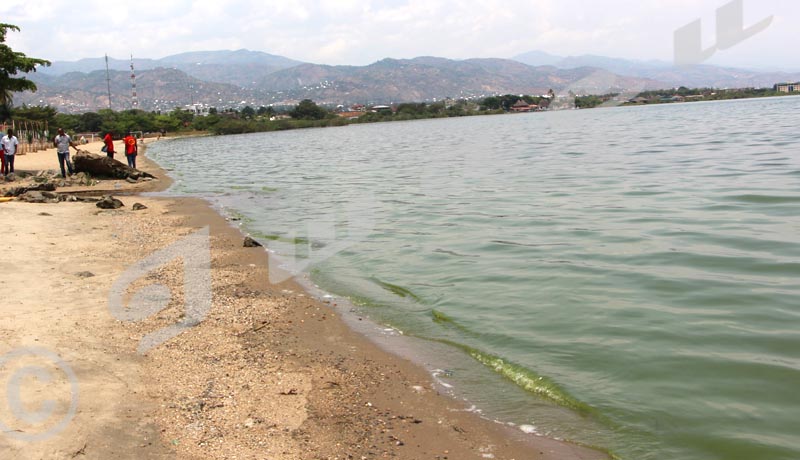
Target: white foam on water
436, 373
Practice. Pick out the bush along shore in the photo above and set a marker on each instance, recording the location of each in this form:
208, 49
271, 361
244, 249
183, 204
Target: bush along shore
307, 114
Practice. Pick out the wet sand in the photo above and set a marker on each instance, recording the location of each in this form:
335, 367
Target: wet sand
270, 372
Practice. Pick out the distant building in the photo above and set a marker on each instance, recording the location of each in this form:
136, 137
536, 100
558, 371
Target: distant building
787, 87
544, 102
351, 115
522, 106
198, 109
675, 98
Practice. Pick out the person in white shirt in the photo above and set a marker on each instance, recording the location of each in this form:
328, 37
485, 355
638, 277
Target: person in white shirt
2, 158
10, 144
63, 142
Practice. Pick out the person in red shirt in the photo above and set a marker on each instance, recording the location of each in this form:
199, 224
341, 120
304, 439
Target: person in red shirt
109, 141
131, 149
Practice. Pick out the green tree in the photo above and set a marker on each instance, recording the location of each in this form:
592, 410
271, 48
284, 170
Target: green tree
167, 123
67, 121
508, 100
412, 109
308, 110
265, 111
147, 121
248, 112
436, 108
12, 62
44, 114
492, 103
90, 122
206, 123
129, 120
184, 117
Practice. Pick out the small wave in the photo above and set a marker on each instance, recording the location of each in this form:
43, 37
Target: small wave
530, 245
451, 253
764, 199
722, 207
643, 193
729, 174
444, 285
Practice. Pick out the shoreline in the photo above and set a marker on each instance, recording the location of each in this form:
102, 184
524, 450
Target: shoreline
271, 371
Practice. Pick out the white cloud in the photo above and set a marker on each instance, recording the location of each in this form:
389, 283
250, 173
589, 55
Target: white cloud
363, 31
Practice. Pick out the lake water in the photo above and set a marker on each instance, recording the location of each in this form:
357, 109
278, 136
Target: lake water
626, 278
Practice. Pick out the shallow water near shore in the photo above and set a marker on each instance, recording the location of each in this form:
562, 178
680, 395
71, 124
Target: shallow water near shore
627, 278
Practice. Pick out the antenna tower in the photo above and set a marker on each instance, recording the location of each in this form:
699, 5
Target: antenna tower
108, 83
134, 98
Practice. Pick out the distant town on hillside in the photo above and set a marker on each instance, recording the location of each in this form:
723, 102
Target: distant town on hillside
242, 78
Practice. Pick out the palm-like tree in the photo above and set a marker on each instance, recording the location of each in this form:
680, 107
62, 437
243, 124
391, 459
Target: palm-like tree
11, 63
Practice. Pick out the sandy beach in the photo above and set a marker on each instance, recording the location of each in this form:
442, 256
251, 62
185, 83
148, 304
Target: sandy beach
268, 372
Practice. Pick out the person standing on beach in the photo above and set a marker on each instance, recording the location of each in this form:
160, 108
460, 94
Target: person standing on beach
109, 141
2, 160
131, 149
63, 142
10, 144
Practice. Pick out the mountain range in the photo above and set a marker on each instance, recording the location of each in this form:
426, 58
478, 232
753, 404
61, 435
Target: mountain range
697, 76
238, 78
213, 66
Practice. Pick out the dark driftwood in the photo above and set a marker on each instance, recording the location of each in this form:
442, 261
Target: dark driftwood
105, 167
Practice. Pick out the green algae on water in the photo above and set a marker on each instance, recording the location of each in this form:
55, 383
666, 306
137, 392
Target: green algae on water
282, 239
396, 290
525, 378
445, 320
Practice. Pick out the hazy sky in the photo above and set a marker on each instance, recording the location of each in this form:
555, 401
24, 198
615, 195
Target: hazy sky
359, 32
